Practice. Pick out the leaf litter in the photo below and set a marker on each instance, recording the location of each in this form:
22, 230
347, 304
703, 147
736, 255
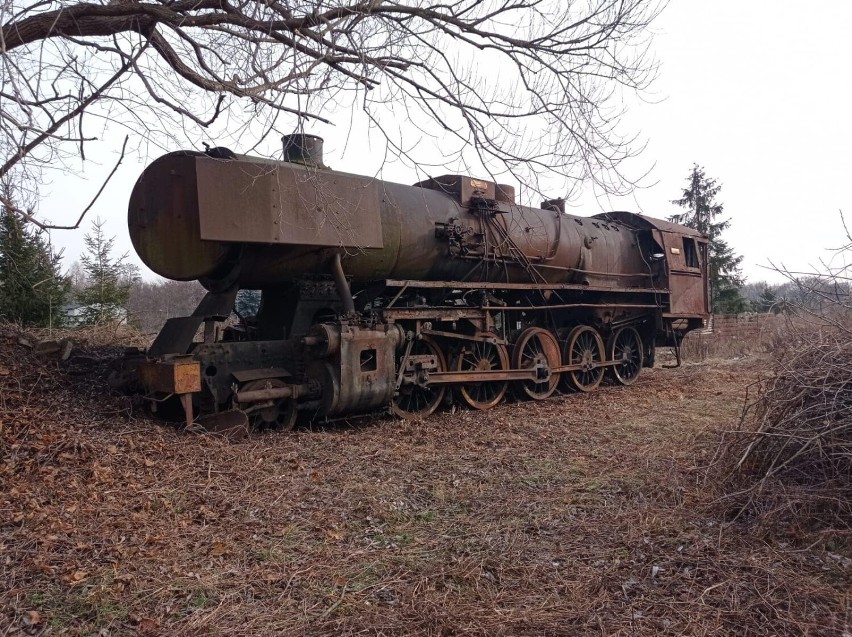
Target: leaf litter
581, 515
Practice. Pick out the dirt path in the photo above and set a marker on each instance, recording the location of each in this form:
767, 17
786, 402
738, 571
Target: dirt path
586, 514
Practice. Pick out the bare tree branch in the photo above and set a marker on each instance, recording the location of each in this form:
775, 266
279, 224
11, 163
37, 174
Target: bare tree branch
49, 226
532, 85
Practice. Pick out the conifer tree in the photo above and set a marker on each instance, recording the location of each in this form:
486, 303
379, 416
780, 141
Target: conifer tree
768, 300
108, 278
702, 212
32, 287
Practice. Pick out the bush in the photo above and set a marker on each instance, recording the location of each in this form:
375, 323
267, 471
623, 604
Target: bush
790, 459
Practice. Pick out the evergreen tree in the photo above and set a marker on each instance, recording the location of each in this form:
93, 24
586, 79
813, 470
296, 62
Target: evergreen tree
767, 300
702, 212
247, 302
32, 287
108, 279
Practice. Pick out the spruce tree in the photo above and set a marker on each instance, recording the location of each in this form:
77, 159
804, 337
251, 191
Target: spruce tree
108, 279
702, 212
32, 287
768, 300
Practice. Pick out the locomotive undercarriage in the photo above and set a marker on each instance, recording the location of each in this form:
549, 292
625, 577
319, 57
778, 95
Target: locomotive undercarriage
515, 344
410, 347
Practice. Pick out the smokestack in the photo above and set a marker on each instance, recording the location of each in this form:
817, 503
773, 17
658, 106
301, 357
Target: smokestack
303, 149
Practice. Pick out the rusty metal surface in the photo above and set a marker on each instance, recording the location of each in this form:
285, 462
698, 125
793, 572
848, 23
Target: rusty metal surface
176, 336
303, 149
175, 376
491, 375
286, 204
451, 265
270, 393
221, 360
641, 221
463, 188
441, 314
280, 213
687, 284
162, 218
486, 285
248, 375
178, 333
364, 369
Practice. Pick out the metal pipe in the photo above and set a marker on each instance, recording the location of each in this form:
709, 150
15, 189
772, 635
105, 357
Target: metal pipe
565, 306
263, 395
342, 284
485, 285
561, 268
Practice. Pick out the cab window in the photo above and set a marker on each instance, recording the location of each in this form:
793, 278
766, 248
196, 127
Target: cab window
690, 253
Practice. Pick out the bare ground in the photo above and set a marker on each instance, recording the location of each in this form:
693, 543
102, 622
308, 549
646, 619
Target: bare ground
582, 515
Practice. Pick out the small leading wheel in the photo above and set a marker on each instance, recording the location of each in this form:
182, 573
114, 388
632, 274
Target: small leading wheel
478, 356
584, 347
625, 348
417, 399
278, 414
536, 347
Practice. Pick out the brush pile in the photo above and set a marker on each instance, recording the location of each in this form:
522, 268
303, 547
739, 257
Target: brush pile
790, 461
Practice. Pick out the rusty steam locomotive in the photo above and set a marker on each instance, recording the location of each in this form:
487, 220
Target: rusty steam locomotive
377, 295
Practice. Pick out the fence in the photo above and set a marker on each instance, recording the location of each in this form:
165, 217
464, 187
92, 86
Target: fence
731, 335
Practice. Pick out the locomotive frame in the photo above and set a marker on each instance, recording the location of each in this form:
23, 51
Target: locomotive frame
526, 311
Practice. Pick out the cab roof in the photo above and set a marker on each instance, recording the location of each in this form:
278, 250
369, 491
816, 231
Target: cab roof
641, 222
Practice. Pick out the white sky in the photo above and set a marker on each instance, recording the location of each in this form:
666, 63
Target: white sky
758, 92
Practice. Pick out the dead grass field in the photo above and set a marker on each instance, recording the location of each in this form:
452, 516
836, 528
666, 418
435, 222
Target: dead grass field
583, 515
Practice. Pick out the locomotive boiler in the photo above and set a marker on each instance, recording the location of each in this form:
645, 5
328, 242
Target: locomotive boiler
377, 295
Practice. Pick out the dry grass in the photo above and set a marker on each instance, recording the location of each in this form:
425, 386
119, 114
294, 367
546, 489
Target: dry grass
583, 515
767, 335
114, 333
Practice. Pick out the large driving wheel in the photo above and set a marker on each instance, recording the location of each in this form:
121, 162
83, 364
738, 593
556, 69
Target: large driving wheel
418, 399
625, 348
477, 356
584, 347
536, 347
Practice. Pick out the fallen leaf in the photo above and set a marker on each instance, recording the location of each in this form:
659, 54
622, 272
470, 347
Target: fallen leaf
32, 618
335, 535
218, 549
148, 626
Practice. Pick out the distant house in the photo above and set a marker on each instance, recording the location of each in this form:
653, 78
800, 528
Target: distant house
74, 314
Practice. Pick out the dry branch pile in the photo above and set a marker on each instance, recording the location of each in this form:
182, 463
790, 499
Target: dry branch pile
791, 459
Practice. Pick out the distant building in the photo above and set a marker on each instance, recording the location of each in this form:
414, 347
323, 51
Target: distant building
74, 314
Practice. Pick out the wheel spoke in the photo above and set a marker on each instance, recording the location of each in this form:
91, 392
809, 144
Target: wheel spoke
536, 346
483, 356
584, 347
413, 401
626, 349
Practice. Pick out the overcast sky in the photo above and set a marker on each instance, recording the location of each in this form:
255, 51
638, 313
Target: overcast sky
757, 92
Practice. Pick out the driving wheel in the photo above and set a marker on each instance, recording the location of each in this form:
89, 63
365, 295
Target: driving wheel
477, 356
584, 347
537, 348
